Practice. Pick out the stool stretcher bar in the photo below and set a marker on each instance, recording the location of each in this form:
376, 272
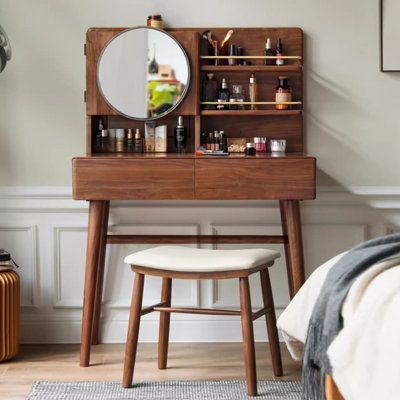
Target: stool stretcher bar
207, 311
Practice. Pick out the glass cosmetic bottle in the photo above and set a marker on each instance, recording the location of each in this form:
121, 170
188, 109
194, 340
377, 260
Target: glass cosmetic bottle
279, 53
103, 145
253, 91
236, 98
210, 91
119, 140
129, 141
283, 93
180, 136
224, 94
270, 52
138, 142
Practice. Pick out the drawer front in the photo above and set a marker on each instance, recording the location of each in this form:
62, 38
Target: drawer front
125, 179
255, 179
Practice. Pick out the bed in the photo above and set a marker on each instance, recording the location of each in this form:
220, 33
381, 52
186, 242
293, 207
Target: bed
364, 355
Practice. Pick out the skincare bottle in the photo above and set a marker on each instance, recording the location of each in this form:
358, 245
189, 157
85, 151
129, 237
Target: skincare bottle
129, 141
283, 93
111, 140
161, 139
103, 143
236, 98
138, 142
224, 94
210, 91
253, 91
150, 137
180, 136
269, 52
119, 140
279, 53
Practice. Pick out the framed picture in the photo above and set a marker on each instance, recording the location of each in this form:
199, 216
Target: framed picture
390, 35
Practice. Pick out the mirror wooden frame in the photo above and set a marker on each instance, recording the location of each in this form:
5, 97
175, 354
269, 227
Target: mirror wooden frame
170, 110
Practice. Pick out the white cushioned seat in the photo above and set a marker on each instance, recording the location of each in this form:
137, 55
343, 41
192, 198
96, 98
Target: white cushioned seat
179, 258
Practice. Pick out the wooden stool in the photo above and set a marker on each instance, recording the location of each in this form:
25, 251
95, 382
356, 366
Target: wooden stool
187, 263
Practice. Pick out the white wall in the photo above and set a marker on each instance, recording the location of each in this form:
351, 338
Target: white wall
352, 108
351, 115
46, 231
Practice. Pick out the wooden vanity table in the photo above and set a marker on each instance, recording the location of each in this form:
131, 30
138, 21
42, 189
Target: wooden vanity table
101, 177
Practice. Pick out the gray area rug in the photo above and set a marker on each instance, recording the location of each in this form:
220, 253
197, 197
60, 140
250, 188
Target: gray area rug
168, 390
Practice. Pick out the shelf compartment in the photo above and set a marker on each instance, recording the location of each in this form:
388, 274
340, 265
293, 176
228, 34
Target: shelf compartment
255, 103
251, 57
252, 68
218, 113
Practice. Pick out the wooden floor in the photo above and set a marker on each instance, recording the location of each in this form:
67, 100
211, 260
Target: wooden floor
197, 361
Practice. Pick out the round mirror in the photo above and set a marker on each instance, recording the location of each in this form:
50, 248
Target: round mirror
143, 73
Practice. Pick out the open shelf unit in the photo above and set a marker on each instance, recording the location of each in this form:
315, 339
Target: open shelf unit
264, 121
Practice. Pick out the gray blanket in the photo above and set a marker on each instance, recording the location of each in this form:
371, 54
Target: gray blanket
326, 320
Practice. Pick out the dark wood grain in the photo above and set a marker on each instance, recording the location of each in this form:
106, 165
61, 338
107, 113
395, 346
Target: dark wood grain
92, 263
273, 338
130, 179
295, 244
255, 179
100, 275
133, 330
248, 337
163, 336
199, 239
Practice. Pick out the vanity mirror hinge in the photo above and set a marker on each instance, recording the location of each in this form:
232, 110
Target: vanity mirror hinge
84, 96
84, 49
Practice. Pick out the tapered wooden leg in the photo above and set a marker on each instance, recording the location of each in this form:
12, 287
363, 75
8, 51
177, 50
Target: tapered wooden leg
100, 276
282, 206
248, 337
295, 243
133, 330
270, 318
92, 262
163, 337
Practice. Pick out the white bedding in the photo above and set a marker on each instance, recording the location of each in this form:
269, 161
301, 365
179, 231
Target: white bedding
365, 356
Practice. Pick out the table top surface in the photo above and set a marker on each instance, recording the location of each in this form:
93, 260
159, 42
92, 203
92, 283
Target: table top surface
192, 156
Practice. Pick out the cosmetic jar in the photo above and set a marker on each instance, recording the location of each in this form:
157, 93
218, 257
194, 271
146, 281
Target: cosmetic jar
277, 145
250, 149
260, 144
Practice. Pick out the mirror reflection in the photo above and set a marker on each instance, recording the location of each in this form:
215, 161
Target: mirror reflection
143, 73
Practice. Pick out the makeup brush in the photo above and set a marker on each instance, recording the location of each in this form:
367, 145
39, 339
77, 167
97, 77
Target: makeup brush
227, 37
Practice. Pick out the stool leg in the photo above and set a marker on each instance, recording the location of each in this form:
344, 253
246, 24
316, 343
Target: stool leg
270, 318
133, 330
163, 336
248, 336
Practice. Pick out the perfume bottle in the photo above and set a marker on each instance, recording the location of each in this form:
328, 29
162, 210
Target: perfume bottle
210, 91
138, 142
223, 95
129, 141
180, 136
236, 98
269, 52
283, 93
253, 91
279, 53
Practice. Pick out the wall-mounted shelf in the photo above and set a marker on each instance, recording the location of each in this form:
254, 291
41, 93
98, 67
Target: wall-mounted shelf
252, 68
220, 113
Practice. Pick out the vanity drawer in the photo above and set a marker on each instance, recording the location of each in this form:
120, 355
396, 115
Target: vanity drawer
132, 179
255, 178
